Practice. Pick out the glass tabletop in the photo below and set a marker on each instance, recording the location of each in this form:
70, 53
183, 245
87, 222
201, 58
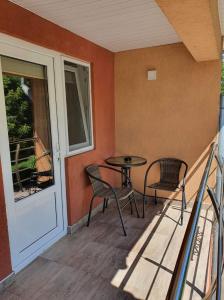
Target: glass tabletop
126, 161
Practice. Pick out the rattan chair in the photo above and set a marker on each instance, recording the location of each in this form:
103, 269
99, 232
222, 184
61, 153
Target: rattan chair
170, 169
103, 189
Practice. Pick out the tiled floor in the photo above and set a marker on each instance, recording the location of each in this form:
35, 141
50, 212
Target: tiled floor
100, 263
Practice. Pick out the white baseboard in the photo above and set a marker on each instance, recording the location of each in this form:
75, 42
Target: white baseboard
7, 281
74, 227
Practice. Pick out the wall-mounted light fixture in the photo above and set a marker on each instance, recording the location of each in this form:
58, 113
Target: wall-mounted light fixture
152, 74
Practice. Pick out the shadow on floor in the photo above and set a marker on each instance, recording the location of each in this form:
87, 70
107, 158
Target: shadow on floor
100, 263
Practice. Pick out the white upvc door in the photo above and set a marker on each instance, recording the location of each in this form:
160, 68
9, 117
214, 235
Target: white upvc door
35, 207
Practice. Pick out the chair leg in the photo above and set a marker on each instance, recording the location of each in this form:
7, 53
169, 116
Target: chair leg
182, 209
130, 200
143, 206
104, 204
155, 196
90, 210
144, 201
135, 204
120, 215
184, 197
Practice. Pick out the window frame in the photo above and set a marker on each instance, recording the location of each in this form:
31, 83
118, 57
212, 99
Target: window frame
89, 144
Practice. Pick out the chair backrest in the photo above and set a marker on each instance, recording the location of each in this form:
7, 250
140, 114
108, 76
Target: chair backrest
95, 178
170, 170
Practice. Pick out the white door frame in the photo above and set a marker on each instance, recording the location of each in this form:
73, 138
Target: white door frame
10, 43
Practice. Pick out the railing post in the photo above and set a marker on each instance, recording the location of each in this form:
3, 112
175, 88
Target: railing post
178, 280
220, 145
219, 182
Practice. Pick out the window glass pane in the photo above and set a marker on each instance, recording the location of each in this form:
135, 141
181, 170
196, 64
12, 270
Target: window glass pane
76, 131
78, 105
29, 130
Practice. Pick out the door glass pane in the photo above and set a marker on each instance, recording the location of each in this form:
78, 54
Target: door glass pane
28, 120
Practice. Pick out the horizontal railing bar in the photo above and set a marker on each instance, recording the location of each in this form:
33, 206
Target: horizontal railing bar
178, 280
21, 170
25, 179
20, 159
22, 141
22, 149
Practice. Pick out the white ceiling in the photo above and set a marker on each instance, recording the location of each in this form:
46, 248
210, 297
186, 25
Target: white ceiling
114, 24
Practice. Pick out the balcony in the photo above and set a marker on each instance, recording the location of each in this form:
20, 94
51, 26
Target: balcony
91, 80
100, 263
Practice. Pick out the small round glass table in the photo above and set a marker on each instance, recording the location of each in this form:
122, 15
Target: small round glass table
126, 163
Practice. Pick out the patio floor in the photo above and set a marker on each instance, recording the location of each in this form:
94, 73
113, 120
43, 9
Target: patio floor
100, 263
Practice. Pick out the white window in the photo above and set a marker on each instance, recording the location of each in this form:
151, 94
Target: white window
79, 107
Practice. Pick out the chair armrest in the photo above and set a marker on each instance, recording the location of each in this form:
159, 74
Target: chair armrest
118, 171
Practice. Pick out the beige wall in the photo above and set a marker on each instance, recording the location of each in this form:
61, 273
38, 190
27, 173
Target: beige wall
174, 116
197, 24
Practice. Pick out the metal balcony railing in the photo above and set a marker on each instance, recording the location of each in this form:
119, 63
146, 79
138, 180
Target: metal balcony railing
178, 281
18, 150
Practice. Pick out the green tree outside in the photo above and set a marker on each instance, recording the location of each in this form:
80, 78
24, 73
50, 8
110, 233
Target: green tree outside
18, 109
19, 121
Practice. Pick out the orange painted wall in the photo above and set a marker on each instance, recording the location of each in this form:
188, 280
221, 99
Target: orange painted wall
25, 25
175, 115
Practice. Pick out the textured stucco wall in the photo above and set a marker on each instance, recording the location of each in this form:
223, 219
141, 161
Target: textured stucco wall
23, 24
197, 24
173, 116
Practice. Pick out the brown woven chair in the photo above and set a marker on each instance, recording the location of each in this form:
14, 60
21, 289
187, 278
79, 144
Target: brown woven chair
170, 169
104, 190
